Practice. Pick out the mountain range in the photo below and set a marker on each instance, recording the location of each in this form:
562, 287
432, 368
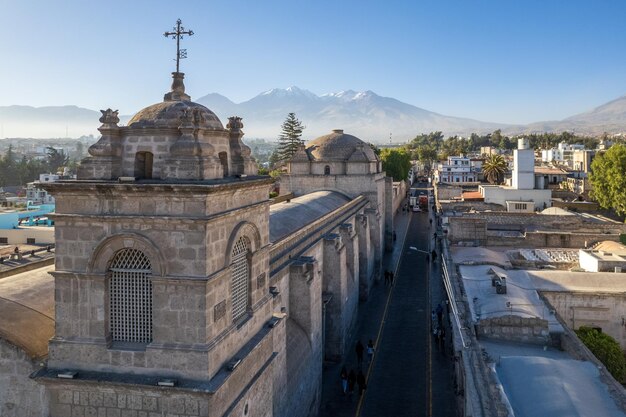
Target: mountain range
365, 114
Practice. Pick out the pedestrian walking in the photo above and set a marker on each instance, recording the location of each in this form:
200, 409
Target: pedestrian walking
391, 278
394, 235
430, 221
370, 350
344, 380
434, 255
442, 339
359, 352
386, 277
439, 312
360, 380
351, 381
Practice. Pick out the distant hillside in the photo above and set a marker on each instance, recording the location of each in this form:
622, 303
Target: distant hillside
48, 122
364, 114
609, 117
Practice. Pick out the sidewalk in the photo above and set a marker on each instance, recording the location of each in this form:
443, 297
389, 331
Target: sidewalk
334, 403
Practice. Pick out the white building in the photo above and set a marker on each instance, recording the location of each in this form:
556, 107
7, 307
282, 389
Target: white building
37, 195
522, 195
563, 154
457, 169
606, 257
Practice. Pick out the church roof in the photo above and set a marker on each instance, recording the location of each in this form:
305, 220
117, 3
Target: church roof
339, 146
27, 306
175, 107
290, 216
168, 115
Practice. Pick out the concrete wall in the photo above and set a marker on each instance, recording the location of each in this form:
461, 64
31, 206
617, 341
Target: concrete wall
603, 310
20, 396
514, 328
19, 236
499, 195
535, 230
523, 169
594, 261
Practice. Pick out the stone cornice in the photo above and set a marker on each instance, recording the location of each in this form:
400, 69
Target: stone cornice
91, 187
114, 217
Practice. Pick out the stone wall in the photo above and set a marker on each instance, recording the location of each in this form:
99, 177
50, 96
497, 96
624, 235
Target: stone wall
20, 396
514, 328
582, 206
536, 230
603, 310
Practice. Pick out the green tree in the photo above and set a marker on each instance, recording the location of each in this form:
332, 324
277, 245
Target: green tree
606, 349
396, 163
608, 179
55, 159
290, 137
494, 168
375, 148
427, 154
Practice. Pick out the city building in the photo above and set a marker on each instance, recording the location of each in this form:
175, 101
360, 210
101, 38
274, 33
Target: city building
522, 195
37, 195
457, 169
563, 154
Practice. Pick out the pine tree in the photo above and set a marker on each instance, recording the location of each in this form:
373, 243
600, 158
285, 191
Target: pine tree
289, 138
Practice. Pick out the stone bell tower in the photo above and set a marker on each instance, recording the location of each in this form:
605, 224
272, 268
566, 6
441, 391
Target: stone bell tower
161, 275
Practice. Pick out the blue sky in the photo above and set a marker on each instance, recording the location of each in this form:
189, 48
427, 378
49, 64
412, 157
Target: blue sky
508, 61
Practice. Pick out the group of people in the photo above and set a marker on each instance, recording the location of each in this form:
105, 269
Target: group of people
352, 379
388, 277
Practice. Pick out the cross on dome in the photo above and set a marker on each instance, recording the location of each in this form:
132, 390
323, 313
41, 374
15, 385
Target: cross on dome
179, 31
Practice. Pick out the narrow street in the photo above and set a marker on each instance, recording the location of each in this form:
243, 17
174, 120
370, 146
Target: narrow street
410, 375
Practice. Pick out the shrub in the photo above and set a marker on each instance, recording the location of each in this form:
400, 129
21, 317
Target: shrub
606, 349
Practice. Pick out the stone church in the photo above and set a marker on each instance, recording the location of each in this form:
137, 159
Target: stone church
179, 289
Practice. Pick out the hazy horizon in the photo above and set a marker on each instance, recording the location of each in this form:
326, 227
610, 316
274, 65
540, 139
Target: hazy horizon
492, 61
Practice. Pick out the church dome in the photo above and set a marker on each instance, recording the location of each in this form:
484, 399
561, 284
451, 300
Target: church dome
176, 105
339, 146
168, 115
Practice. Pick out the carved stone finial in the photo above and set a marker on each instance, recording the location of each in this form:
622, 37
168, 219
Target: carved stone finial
109, 117
234, 123
178, 89
186, 116
198, 117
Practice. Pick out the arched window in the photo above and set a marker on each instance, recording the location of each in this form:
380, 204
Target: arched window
240, 278
130, 297
327, 170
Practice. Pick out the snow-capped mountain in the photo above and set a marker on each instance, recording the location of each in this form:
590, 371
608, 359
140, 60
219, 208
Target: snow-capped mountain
362, 113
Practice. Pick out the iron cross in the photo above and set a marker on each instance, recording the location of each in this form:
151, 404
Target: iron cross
178, 33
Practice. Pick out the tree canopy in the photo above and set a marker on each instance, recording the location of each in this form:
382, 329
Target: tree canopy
289, 139
396, 163
608, 178
606, 349
494, 168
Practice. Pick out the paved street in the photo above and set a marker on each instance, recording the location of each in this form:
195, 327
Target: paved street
410, 375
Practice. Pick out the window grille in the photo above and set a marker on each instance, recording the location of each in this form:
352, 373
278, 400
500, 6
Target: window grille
240, 278
130, 292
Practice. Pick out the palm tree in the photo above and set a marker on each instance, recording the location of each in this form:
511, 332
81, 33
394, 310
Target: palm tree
494, 168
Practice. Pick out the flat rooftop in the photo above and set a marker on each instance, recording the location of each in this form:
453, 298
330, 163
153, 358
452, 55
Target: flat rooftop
540, 381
